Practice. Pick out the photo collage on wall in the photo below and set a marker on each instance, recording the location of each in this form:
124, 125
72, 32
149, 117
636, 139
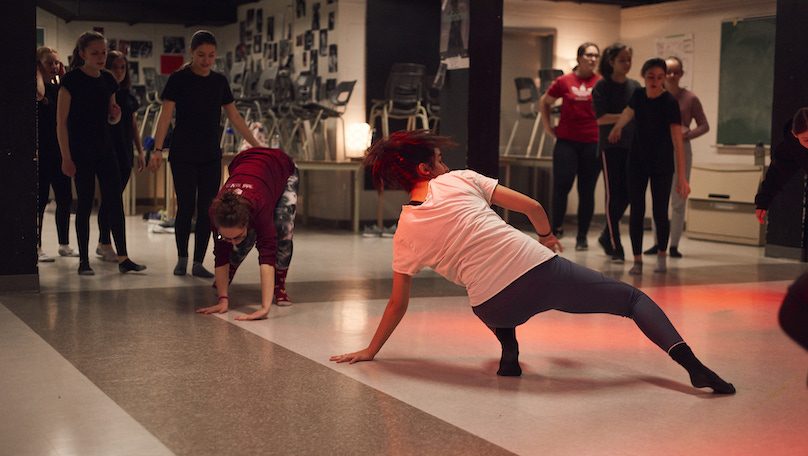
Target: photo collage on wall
136, 51
296, 38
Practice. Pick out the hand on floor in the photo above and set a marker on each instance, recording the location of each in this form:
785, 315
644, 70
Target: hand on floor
217, 309
350, 358
257, 315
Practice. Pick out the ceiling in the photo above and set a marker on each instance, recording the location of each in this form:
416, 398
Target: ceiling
186, 12
192, 12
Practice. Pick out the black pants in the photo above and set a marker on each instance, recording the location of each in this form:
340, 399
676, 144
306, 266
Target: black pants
125, 171
793, 316
109, 181
50, 175
571, 158
559, 284
660, 198
615, 175
196, 186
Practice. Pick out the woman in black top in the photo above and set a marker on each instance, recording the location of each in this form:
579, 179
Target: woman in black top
124, 134
610, 97
199, 94
85, 109
658, 141
48, 70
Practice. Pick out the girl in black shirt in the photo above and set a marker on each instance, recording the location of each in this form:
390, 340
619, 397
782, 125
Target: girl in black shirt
124, 134
658, 141
49, 69
85, 109
610, 97
199, 95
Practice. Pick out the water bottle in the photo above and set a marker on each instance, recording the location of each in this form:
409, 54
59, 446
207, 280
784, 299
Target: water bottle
275, 142
760, 154
230, 141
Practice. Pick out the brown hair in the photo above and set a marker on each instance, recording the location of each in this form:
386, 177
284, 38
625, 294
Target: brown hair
81, 44
394, 161
42, 51
112, 56
605, 67
799, 124
231, 210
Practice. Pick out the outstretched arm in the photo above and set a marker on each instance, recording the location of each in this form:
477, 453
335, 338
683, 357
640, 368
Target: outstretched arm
546, 103
622, 121
267, 293
393, 313
163, 122
221, 279
240, 125
515, 201
682, 187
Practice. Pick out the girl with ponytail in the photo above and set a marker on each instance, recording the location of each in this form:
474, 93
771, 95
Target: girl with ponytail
449, 226
199, 96
85, 109
255, 208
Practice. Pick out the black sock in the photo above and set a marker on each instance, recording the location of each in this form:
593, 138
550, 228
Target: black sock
128, 265
198, 270
700, 375
509, 362
182, 266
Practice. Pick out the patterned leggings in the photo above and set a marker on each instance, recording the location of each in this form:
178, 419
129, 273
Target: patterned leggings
284, 225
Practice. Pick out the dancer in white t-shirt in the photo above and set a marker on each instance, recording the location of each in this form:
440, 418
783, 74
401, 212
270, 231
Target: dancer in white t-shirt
449, 226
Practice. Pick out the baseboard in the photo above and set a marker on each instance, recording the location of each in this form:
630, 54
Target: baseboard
781, 251
19, 282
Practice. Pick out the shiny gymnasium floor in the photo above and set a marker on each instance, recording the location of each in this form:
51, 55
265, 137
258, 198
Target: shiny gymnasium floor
121, 365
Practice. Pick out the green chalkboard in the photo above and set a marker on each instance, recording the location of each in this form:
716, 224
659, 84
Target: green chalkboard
745, 90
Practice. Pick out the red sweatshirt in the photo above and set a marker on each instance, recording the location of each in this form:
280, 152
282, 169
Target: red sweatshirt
259, 175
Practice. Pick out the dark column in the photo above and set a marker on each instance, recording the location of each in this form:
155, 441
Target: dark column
785, 236
18, 266
470, 100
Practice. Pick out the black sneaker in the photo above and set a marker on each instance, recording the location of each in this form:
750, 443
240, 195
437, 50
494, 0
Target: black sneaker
674, 252
652, 251
619, 256
606, 243
85, 269
558, 233
581, 244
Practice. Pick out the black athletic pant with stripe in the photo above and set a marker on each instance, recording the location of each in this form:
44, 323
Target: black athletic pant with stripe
614, 161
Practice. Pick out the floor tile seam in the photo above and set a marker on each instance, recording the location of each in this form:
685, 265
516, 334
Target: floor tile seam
262, 340
331, 367
82, 377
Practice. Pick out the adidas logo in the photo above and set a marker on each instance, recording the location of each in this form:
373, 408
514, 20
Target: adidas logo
582, 93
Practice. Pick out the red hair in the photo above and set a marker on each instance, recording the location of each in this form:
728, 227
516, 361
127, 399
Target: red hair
394, 161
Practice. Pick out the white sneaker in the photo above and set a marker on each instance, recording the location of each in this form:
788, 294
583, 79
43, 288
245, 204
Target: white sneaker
107, 254
161, 229
67, 251
372, 231
389, 231
43, 257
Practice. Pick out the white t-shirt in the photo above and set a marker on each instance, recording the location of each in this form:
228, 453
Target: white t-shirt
456, 233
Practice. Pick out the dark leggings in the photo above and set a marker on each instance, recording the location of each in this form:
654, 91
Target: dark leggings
125, 171
285, 211
571, 158
615, 173
50, 175
793, 316
196, 186
660, 198
559, 284
109, 181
